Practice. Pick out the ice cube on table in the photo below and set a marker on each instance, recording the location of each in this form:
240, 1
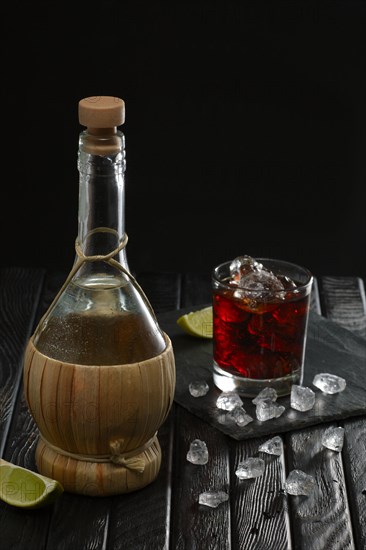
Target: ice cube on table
333, 438
329, 383
266, 392
273, 446
266, 409
302, 398
198, 388
198, 452
213, 498
250, 468
228, 400
299, 483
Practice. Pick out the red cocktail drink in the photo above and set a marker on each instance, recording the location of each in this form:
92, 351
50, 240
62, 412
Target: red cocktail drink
260, 316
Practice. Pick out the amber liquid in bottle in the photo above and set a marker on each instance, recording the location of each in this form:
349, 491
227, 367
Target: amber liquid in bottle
111, 333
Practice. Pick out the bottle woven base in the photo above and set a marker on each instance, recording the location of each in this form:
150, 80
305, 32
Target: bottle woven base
98, 424
97, 478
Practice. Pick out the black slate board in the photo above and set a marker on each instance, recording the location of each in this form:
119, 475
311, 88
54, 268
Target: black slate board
330, 348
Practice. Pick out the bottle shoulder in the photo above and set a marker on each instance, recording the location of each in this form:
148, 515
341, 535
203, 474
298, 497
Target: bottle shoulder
100, 320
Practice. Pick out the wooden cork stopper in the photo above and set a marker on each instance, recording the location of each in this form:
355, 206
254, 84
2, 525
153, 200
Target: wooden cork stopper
101, 112
101, 115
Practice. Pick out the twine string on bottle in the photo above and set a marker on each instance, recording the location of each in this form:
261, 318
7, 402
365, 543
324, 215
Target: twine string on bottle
130, 460
107, 258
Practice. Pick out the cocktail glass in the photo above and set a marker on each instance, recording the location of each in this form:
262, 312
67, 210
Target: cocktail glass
260, 322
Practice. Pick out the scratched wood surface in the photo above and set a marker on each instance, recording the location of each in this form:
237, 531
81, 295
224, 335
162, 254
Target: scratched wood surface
166, 515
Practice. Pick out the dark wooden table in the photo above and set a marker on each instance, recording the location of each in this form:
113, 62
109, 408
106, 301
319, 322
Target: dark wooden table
166, 515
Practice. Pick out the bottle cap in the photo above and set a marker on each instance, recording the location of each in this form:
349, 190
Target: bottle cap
101, 111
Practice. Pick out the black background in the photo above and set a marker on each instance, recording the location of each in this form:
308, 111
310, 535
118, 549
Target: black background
245, 129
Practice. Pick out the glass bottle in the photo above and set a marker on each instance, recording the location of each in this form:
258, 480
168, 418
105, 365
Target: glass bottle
99, 373
102, 316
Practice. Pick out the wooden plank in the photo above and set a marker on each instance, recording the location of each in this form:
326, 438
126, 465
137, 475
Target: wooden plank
194, 525
21, 528
259, 506
320, 520
345, 301
141, 519
334, 516
354, 460
311, 517
19, 295
79, 522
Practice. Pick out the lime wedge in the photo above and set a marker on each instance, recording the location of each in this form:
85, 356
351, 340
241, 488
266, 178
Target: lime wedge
26, 489
197, 323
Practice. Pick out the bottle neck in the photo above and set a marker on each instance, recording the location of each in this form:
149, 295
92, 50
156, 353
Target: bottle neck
101, 219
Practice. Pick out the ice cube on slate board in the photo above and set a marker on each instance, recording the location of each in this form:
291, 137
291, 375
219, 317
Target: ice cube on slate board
267, 409
228, 400
302, 398
240, 416
329, 383
198, 388
265, 393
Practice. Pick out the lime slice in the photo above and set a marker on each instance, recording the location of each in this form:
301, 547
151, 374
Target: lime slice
26, 489
197, 323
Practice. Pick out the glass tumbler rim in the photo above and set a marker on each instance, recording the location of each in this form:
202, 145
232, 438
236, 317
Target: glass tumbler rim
284, 263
